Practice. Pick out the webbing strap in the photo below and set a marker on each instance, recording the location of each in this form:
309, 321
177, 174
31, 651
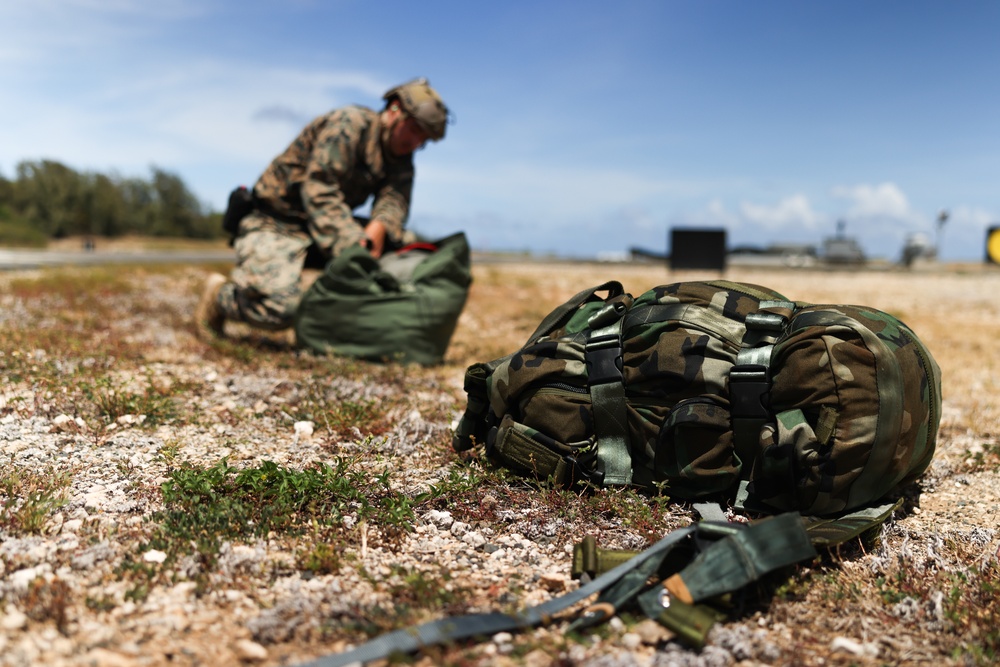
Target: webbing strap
603, 355
745, 556
735, 556
750, 382
620, 592
831, 531
444, 630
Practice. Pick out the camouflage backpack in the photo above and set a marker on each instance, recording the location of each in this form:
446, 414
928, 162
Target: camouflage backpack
705, 389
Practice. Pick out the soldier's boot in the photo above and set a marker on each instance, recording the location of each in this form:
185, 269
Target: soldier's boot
209, 319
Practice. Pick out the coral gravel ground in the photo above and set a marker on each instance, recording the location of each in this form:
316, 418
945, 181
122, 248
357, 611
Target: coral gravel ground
169, 502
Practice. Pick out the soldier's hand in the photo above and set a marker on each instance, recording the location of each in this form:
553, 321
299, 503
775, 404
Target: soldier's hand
374, 240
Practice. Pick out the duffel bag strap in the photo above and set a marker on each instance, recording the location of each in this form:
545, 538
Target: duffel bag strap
603, 355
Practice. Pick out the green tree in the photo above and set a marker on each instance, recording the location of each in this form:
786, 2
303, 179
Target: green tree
54, 200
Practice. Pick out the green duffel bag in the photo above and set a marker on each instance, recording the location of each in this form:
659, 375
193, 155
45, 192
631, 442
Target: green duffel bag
403, 307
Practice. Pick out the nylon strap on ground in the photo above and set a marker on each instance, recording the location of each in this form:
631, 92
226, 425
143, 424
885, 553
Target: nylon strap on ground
742, 555
445, 630
831, 531
603, 355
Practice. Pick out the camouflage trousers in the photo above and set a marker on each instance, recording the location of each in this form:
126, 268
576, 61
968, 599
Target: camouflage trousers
265, 288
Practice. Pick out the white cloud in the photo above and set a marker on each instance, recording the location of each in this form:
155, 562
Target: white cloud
884, 200
790, 211
179, 114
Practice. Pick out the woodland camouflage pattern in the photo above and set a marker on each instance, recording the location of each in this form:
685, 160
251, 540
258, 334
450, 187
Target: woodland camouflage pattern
854, 401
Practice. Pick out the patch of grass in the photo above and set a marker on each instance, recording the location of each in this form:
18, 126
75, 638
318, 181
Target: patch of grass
205, 506
952, 606
970, 604
20, 234
28, 499
353, 413
113, 402
72, 286
170, 451
142, 575
476, 491
321, 558
644, 513
973, 607
100, 604
317, 404
985, 458
426, 590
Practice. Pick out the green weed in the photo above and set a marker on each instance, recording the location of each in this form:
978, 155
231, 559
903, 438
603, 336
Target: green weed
28, 499
170, 451
322, 558
113, 402
205, 506
986, 458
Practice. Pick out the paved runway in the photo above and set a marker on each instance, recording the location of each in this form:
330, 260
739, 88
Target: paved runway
12, 259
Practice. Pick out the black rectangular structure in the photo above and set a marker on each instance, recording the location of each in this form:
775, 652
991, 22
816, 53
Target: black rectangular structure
697, 248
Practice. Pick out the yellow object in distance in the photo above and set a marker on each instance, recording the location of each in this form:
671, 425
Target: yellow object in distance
993, 245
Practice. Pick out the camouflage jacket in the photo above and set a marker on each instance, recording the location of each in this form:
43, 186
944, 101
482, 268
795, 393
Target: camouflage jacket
331, 168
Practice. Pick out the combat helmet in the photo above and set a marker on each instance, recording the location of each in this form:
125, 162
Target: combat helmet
423, 104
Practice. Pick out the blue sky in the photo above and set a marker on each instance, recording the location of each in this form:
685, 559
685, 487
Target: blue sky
579, 127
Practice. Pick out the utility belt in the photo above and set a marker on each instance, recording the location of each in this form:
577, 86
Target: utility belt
242, 203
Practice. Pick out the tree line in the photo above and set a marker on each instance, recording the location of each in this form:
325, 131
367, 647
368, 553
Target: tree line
47, 199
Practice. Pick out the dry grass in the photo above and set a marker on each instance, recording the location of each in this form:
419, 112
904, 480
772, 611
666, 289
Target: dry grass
101, 345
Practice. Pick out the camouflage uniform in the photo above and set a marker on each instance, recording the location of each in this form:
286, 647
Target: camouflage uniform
304, 202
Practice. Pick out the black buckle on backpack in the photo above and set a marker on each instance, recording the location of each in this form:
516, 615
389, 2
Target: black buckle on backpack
604, 359
749, 385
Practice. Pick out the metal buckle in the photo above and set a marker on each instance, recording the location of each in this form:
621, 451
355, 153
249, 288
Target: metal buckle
664, 598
